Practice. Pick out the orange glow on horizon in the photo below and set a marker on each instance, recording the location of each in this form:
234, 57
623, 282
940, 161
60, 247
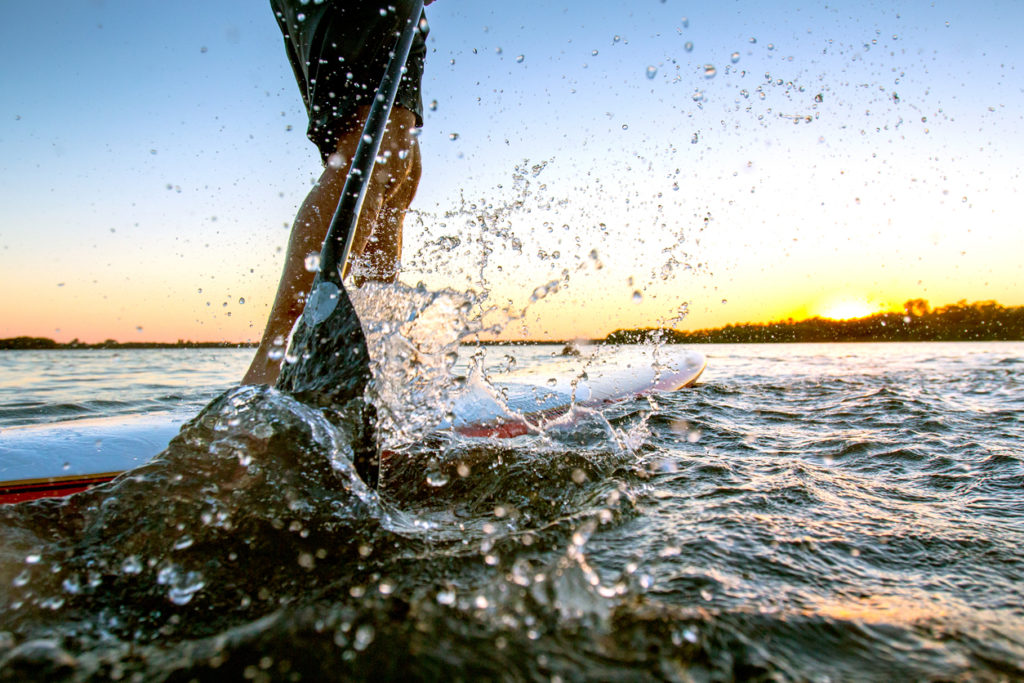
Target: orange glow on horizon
847, 307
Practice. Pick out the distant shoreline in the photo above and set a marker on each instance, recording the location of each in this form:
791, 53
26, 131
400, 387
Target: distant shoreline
46, 344
978, 321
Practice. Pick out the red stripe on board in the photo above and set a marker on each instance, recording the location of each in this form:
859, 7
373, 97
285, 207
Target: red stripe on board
17, 493
506, 430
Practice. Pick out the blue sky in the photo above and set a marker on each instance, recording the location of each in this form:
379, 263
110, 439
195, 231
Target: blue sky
154, 153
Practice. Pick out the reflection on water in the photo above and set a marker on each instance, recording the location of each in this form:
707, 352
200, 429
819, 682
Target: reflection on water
805, 512
39, 387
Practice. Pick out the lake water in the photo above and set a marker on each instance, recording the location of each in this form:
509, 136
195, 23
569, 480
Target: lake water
806, 512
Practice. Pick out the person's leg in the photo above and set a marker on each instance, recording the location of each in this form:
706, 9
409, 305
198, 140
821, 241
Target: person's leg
308, 231
378, 243
391, 189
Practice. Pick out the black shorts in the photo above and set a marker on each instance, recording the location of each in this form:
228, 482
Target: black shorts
339, 50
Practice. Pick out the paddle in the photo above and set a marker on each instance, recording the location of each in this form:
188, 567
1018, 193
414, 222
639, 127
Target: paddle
332, 367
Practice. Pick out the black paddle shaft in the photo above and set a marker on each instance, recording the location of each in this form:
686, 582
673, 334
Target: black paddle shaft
328, 364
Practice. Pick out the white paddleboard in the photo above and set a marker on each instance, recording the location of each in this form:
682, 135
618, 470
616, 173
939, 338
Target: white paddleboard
517, 402
65, 457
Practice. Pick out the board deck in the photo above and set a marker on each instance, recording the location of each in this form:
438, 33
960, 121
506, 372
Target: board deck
516, 402
59, 459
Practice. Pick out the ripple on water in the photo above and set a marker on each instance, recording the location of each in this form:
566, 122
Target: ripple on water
834, 512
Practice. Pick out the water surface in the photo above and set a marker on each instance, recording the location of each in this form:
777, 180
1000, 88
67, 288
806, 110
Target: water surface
826, 512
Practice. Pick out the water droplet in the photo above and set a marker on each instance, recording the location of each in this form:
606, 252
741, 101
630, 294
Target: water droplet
688, 46
241, 299
593, 53
694, 139
753, 40
734, 57
625, 126
520, 58
710, 71
433, 105
183, 585
437, 479
364, 636
131, 565
616, 39
33, 558
453, 136
446, 597
312, 262
652, 71
638, 296
21, 579
52, 603
698, 96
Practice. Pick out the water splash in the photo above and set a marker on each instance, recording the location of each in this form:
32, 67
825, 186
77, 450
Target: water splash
413, 336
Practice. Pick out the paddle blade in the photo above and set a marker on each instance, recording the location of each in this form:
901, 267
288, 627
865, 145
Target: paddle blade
332, 369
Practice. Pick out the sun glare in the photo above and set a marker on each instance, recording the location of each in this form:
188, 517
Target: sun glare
847, 309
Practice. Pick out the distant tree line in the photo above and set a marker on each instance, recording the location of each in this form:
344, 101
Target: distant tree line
45, 344
979, 321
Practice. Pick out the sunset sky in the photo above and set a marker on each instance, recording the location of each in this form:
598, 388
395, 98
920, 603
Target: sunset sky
735, 161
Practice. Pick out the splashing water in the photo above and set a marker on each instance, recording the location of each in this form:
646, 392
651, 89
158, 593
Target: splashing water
721, 530
413, 337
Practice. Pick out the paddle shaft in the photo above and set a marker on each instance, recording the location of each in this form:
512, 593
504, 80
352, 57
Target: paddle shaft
338, 243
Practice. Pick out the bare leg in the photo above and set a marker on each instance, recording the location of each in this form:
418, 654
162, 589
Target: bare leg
378, 243
382, 253
314, 217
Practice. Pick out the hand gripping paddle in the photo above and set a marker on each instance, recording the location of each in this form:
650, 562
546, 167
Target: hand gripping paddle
332, 366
